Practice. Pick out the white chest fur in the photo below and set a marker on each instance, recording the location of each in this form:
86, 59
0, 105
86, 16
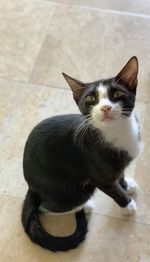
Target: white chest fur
124, 135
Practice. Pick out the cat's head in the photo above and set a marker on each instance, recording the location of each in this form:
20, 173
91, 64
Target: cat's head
106, 101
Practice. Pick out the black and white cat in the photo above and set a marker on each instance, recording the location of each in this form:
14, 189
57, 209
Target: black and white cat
67, 157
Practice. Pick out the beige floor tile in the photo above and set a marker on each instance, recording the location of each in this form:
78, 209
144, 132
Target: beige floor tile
39, 40
22, 30
23, 106
108, 239
88, 48
135, 6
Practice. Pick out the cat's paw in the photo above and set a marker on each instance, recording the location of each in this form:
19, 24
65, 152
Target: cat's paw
89, 206
132, 186
130, 209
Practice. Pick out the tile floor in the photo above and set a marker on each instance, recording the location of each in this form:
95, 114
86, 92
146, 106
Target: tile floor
88, 39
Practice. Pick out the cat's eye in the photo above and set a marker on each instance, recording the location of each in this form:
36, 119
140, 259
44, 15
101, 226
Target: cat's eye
90, 98
118, 93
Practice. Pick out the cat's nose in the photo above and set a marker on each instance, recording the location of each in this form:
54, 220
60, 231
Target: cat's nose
106, 109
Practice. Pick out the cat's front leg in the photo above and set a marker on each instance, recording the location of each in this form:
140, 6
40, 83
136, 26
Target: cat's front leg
121, 198
123, 182
128, 184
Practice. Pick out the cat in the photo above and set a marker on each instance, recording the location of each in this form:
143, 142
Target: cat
67, 157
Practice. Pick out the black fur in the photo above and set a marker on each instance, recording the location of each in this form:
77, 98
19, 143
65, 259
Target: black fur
62, 177
63, 173
38, 235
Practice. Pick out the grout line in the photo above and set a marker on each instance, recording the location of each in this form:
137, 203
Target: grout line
43, 41
34, 84
125, 13
54, 87
112, 11
121, 219
94, 213
14, 80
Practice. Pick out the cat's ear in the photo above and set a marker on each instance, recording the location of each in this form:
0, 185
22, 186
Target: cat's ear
128, 75
78, 87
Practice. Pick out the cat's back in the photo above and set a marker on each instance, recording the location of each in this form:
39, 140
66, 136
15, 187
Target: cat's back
50, 146
53, 132
55, 127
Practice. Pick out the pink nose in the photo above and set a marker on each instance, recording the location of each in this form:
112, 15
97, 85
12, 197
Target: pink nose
106, 109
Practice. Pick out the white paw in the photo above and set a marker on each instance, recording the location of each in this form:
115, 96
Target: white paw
89, 206
132, 186
130, 209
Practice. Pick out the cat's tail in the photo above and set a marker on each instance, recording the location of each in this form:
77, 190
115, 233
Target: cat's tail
36, 232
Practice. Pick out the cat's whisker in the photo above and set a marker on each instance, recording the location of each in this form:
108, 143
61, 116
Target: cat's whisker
126, 112
74, 123
128, 108
83, 134
77, 122
82, 128
79, 130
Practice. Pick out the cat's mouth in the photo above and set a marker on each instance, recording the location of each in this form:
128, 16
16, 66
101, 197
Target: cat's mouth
107, 118
111, 116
